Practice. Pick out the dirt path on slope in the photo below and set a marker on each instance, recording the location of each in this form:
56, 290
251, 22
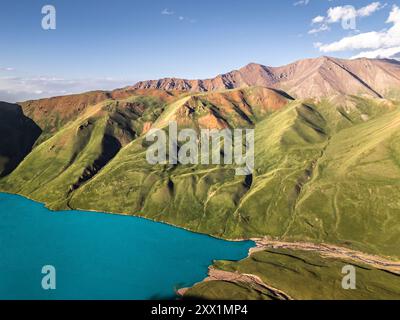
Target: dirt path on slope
330, 251
250, 280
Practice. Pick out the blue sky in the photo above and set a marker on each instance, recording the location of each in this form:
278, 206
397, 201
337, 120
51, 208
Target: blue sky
101, 44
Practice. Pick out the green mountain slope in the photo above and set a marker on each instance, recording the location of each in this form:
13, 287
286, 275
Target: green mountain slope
279, 274
352, 194
61, 164
54, 113
304, 152
325, 171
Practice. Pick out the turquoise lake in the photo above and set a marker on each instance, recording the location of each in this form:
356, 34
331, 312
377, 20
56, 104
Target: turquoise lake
100, 256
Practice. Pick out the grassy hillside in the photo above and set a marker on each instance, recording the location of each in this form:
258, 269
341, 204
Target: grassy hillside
71, 157
55, 113
290, 195
352, 193
298, 275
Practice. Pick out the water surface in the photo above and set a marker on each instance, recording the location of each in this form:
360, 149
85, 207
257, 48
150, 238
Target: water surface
100, 256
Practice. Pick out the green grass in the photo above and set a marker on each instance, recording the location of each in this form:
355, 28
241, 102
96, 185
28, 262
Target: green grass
224, 290
59, 165
301, 275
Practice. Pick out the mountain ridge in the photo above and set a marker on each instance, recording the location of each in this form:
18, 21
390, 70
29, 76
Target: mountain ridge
307, 78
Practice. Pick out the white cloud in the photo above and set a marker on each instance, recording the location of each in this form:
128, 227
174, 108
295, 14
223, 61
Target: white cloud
368, 40
394, 16
344, 13
382, 43
318, 19
389, 53
337, 14
322, 27
301, 3
6, 69
182, 18
370, 9
167, 12
13, 89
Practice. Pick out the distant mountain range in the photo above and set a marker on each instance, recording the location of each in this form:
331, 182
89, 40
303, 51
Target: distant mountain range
310, 78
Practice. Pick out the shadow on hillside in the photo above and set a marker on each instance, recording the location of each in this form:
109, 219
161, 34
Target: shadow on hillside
18, 134
283, 93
